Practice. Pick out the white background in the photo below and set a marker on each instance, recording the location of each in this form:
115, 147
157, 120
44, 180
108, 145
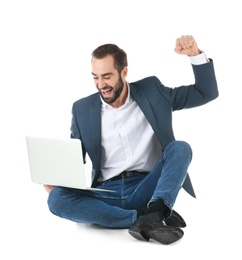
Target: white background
45, 52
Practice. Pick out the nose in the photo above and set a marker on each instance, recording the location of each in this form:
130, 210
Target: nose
101, 83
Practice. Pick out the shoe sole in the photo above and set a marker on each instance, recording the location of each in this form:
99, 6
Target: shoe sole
138, 234
161, 235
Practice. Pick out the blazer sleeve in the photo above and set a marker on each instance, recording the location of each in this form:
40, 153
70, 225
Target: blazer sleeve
75, 132
201, 92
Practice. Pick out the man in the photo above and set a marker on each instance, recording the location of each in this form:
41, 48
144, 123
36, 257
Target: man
126, 129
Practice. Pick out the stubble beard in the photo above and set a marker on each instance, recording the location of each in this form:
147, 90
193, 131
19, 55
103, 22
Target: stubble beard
117, 89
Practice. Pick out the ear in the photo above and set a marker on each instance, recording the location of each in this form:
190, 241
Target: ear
124, 72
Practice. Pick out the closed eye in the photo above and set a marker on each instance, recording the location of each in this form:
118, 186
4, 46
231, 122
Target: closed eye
104, 76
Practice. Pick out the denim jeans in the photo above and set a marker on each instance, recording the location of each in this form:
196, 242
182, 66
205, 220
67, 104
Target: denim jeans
119, 209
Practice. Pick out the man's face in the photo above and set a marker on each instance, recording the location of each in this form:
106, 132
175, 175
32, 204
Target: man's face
109, 82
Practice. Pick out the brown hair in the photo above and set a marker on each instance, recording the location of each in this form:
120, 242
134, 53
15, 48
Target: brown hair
119, 55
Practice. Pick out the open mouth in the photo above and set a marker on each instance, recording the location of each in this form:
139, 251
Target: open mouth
107, 92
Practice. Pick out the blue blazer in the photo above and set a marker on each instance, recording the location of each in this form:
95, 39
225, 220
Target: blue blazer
157, 103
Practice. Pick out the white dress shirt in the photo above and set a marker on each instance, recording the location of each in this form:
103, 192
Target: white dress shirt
128, 141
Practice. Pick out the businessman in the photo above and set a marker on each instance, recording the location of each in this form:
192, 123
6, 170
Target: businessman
126, 130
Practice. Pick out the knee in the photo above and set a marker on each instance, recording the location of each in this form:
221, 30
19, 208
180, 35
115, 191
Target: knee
54, 201
181, 147
185, 149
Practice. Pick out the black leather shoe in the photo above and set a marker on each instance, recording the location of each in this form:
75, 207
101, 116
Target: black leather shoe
151, 226
175, 220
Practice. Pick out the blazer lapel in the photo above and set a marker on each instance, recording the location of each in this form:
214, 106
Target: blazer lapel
95, 131
144, 105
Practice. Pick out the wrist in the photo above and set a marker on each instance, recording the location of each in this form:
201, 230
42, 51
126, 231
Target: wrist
199, 59
195, 53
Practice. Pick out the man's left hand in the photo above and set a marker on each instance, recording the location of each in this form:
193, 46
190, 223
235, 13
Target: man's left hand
187, 45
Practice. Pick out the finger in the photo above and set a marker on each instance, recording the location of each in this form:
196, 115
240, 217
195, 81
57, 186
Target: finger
48, 188
190, 40
186, 41
178, 46
178, 42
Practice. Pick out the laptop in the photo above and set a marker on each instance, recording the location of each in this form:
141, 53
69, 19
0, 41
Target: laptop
57, 162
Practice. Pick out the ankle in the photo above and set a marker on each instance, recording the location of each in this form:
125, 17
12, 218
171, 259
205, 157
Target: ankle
158, 206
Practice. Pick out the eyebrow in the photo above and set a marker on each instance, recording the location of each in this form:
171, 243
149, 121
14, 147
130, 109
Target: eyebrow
103, 75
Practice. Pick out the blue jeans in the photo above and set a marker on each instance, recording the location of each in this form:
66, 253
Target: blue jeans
119, 209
